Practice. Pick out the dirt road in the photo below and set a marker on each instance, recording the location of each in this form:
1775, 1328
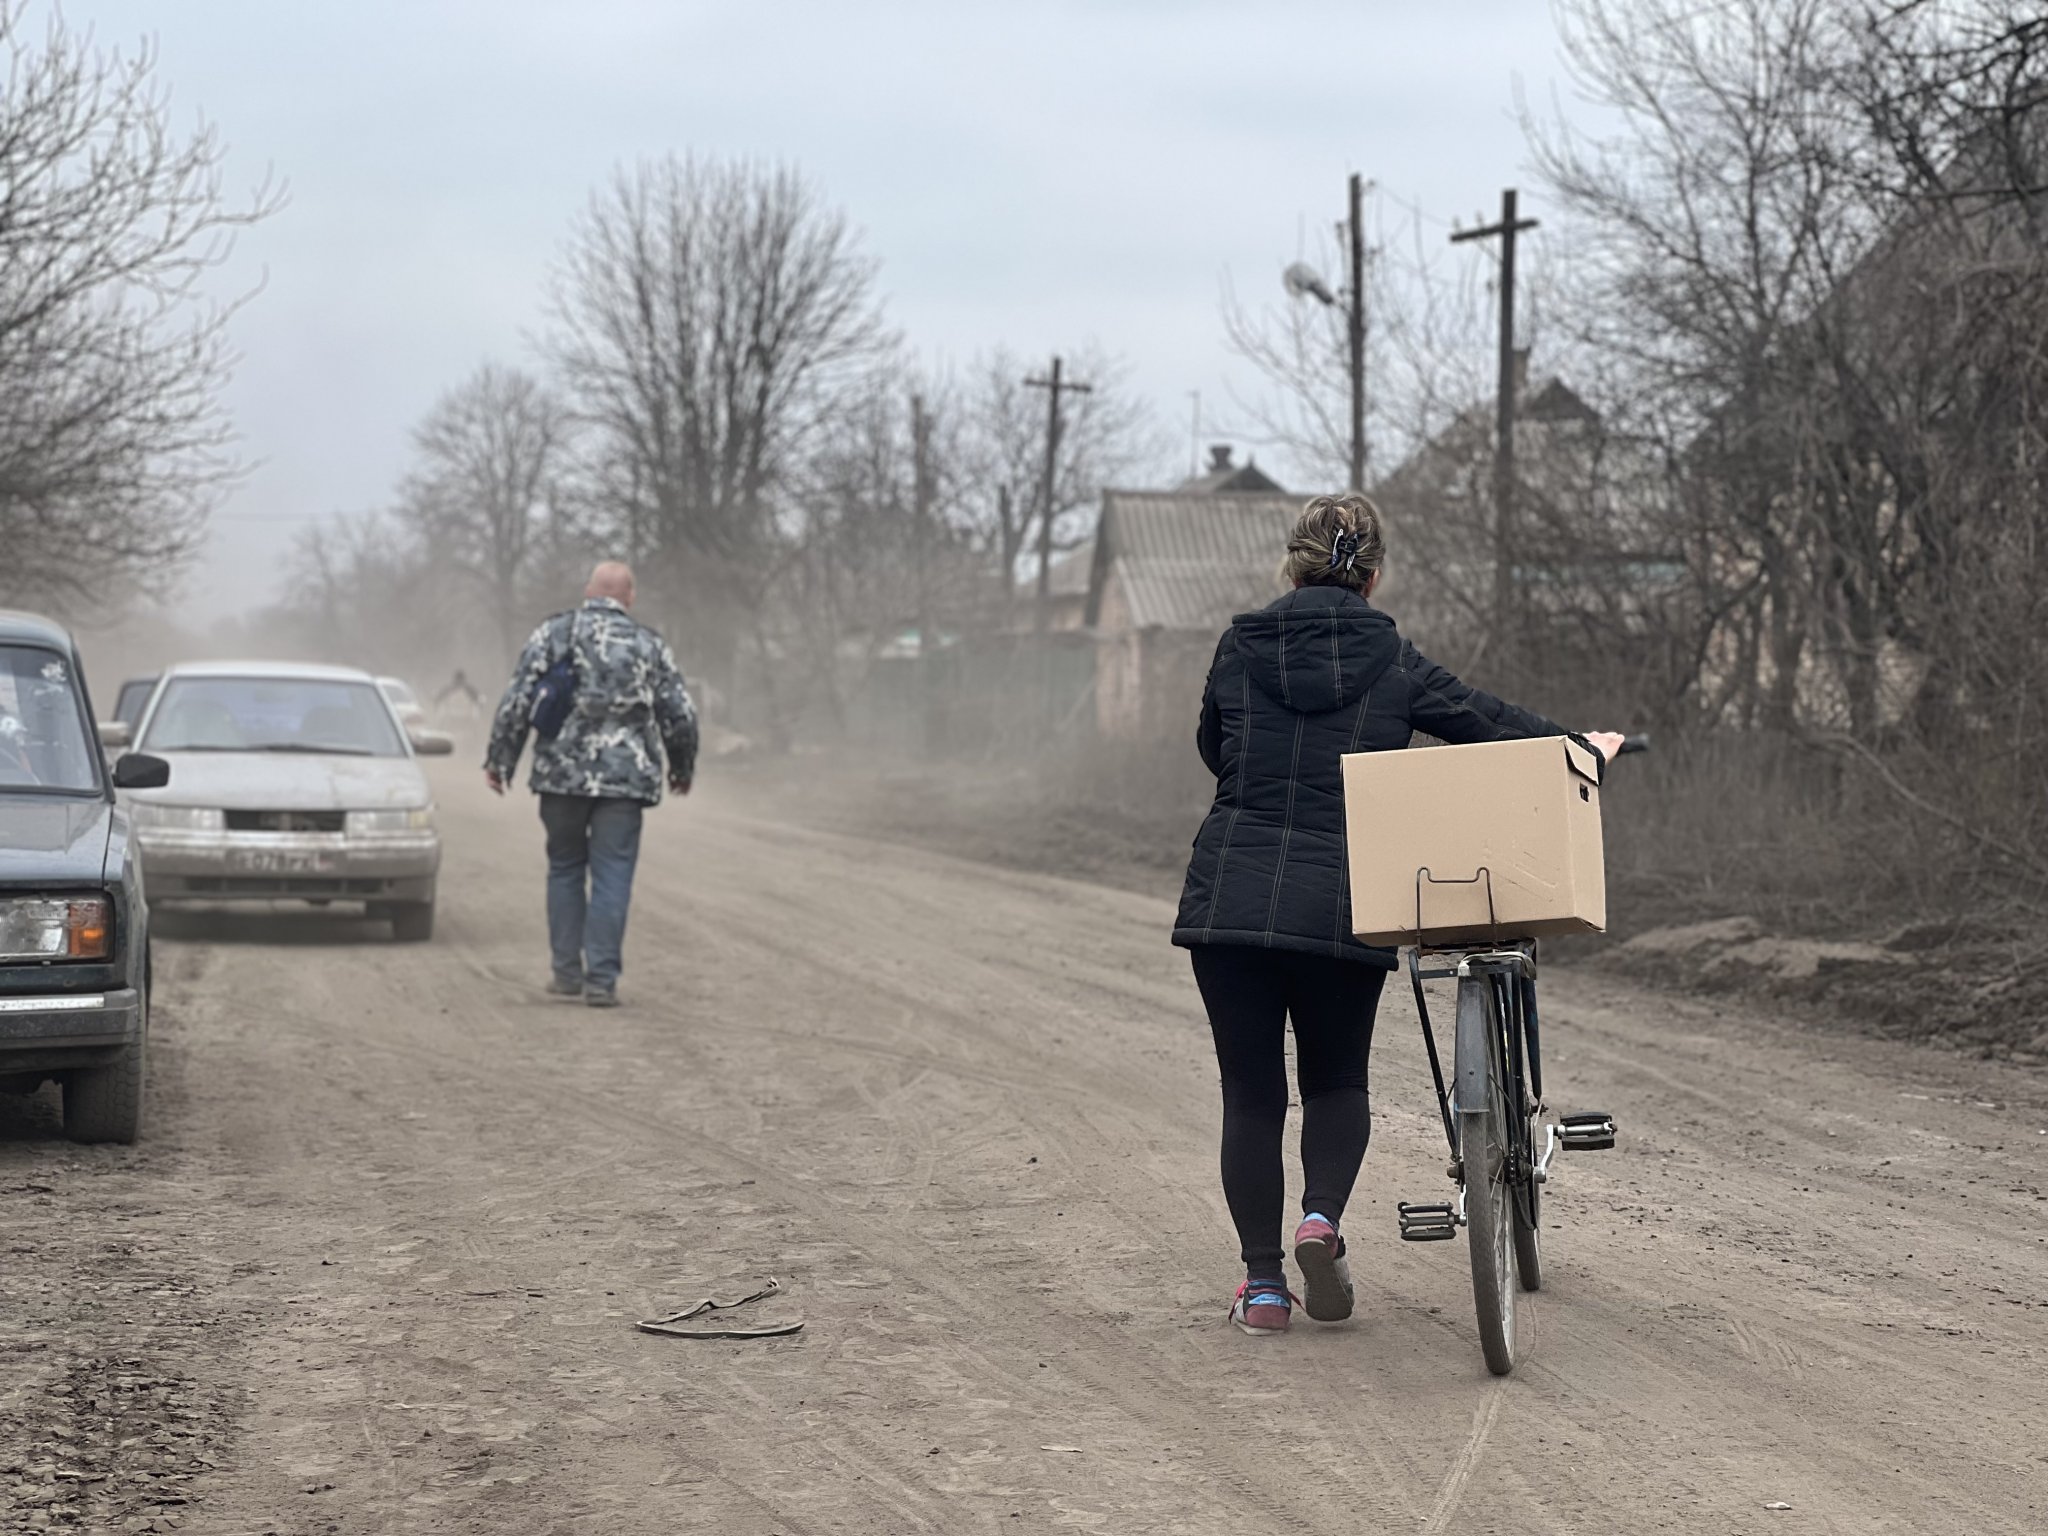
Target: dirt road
374, 1269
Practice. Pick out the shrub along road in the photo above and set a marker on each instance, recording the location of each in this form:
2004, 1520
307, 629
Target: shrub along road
375, 1267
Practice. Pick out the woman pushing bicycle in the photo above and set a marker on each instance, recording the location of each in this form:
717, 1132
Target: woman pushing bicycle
1265, 909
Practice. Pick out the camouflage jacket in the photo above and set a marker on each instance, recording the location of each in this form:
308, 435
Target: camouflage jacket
630, 704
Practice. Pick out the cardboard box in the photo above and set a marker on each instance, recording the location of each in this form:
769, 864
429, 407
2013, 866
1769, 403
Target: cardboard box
1436, 833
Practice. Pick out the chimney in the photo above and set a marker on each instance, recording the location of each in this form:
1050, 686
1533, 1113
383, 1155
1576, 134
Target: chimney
1521, 363
1219, 459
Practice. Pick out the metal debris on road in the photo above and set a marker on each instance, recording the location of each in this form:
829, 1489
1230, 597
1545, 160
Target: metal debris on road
709, 1304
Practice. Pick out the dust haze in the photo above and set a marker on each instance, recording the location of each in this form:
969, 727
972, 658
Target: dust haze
943, 526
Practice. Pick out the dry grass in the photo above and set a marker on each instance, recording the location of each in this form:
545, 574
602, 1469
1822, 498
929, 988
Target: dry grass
1713, 826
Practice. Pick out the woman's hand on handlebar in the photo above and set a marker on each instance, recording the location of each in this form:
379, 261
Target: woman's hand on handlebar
1609, 742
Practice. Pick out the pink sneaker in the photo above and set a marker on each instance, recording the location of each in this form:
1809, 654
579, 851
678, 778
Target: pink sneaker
1262, 1308
1325, 1272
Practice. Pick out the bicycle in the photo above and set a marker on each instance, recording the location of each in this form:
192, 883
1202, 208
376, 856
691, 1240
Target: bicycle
1491, 1114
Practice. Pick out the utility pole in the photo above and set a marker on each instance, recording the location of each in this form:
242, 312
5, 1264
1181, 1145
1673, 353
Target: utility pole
921, 535
1504, 595
1011, 542
921, 509
1054, 387
1355, 325
1303, 282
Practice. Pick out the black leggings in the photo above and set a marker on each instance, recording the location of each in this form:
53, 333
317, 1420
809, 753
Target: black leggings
1250, 993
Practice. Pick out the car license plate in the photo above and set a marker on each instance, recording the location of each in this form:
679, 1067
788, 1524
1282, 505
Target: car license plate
280, 861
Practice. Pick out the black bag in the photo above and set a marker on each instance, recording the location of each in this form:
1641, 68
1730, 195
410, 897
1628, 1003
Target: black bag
556, 694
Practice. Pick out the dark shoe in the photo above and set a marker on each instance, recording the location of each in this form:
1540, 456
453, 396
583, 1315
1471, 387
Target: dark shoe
601, 997
1325, 1274
557, 987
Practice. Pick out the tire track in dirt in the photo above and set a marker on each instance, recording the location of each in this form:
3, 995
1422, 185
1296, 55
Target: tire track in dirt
1156, 1399
1467, 1459
838, 1062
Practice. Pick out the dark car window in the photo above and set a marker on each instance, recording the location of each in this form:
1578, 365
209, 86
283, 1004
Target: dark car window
272, 714
43, 740
128, 704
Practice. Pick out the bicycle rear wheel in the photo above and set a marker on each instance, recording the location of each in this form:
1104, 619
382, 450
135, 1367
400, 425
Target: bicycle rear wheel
1528, 1124
1483, 1137
1528, 1208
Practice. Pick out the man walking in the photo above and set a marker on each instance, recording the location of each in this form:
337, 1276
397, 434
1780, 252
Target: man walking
625, 707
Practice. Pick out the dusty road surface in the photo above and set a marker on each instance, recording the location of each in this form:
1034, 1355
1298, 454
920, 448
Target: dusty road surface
375, 1268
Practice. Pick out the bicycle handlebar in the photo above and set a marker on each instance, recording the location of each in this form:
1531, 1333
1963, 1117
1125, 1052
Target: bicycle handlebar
1638, 743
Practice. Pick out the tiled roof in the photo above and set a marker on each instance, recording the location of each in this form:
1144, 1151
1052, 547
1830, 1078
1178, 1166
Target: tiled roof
1232, 479
1192, 560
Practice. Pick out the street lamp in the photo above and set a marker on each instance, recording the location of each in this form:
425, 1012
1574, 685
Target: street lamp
1305, 282
1302, 281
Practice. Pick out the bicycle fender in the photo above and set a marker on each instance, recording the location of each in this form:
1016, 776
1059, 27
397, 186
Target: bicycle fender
1468, 1072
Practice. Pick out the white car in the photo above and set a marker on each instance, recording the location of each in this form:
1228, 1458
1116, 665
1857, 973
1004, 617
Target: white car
404, 702
288, 781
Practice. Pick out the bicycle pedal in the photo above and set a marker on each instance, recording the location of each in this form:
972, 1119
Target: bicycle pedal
1590, 1132
1427, 1223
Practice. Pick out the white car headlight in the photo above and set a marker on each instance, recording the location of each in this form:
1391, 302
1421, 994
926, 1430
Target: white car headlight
177, 818
54, 928
373, 823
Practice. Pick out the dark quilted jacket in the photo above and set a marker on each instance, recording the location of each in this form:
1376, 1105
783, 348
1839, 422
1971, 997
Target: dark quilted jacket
1293, 688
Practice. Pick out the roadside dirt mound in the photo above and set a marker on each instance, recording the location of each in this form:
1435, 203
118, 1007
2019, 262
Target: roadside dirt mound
1927, 981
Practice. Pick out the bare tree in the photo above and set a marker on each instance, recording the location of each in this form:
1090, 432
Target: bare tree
995, 429
1710, 225
359, 588
484, 494
706, 314
1429, 345
863, 556
1815, 251
113, 443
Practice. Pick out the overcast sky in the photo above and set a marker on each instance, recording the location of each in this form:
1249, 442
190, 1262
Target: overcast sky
1033, 174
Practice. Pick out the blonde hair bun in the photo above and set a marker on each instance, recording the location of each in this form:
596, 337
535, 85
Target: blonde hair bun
1338, 541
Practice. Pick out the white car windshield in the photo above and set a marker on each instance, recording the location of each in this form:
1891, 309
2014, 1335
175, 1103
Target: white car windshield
272, 714
43, 742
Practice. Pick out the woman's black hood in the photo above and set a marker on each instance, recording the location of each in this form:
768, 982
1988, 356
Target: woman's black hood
1316, 649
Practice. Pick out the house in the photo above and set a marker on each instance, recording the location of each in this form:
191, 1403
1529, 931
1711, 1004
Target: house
1168, 571
1073, 570
1068, 585
1591, 534
1225, 478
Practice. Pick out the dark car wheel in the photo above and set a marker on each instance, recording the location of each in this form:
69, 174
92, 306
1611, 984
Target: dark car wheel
105, 1103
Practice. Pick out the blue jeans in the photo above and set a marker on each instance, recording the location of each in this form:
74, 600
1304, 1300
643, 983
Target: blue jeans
593, 845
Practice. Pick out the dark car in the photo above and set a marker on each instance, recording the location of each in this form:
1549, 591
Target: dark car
74, 927
133, 698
